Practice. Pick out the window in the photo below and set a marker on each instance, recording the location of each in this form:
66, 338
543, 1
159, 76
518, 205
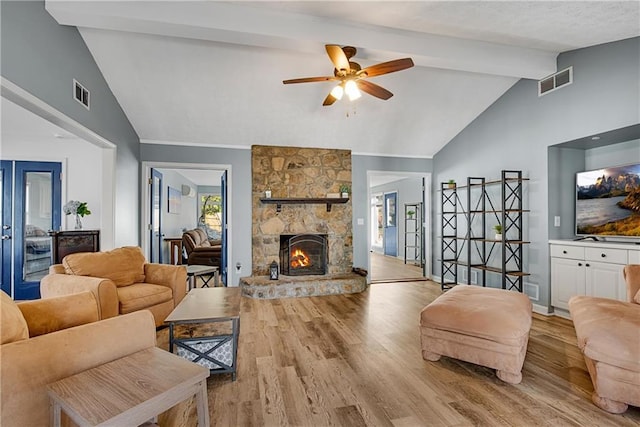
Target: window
211, 213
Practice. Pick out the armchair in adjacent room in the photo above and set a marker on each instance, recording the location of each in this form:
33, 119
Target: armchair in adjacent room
200, 249
121, 280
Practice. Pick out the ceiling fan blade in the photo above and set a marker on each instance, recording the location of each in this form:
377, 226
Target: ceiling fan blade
373, 89
310, 79
329, 100
388, 67
337, 56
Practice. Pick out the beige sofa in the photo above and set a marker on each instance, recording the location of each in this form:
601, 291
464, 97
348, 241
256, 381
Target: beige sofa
50, 339
121, 280
608, 334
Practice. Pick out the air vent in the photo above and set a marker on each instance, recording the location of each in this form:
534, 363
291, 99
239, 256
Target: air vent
80, 94
555, 81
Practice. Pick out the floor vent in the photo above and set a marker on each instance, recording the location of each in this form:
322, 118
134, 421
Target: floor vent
555, 81
80, 94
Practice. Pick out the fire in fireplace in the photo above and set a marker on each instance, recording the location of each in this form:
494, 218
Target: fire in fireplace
303, 254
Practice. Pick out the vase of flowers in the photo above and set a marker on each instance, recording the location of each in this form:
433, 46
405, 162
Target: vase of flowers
79, 209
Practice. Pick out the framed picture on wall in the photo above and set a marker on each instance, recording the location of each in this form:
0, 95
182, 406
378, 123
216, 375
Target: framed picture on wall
174, 200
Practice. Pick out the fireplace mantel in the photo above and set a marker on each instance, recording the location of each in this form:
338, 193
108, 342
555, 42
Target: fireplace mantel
304, 200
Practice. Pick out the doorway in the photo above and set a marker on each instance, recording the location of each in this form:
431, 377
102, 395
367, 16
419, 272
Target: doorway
399, 225
31, 195
204, 203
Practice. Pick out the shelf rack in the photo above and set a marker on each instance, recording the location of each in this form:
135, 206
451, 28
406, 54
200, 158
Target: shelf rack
413, 247
329, 201
480, 208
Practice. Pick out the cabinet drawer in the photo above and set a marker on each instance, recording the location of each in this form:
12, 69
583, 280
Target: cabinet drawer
572, 252
634, 257
614, 256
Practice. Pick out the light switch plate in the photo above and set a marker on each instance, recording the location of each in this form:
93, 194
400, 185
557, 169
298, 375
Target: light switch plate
360, 221
556, 221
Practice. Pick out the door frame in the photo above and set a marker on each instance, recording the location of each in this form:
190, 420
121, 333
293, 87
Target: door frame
7, 219
146, 207
155, 173
427, 212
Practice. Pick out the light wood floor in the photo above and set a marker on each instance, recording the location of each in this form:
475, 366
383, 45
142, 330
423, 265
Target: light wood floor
386, 268
355, 360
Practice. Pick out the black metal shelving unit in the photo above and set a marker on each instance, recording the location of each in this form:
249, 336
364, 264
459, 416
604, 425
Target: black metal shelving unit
449, 256
413, 234
481, 248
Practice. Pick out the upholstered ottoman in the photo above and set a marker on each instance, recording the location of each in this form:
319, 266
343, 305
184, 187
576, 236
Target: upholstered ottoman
485, 326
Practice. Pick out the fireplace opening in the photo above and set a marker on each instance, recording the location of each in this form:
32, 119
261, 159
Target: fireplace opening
303, 254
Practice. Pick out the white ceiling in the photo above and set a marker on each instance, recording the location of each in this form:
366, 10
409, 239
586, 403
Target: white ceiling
210, 73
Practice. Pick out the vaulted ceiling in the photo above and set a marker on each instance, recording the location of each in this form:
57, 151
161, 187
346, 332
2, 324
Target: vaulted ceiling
210, 73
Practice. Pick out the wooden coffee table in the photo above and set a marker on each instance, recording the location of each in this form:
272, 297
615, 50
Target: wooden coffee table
218, 352
130, 391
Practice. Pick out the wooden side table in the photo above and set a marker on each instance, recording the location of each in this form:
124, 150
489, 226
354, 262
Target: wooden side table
175, 246
130, 391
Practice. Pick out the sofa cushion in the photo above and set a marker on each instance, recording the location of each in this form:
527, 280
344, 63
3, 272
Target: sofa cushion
124, 266
142, 295
607, 330
13, 326
636, 299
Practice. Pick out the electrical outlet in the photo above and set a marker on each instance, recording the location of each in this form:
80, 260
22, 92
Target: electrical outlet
238, 267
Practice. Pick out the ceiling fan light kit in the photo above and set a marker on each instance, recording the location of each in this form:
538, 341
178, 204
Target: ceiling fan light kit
352, 77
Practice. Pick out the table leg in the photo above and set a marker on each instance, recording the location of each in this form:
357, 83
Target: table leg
235, 331
171, 337
192, 281
202, 405
216, 278
56, 413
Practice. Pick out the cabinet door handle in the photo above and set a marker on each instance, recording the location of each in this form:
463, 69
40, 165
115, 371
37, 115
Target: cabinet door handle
579, 264
603, 255
586, 265
564, 252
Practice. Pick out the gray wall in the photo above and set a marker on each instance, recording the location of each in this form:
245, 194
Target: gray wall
43, 58
515, 132
360, 165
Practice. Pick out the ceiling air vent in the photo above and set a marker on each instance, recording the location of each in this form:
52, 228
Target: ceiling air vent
555, 81
80, 94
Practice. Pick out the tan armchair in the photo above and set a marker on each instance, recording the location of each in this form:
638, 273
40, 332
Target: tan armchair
50, 339
200, 250
121, 280
608, 334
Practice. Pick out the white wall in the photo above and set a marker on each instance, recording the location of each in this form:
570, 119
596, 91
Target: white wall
82, 173
173, 224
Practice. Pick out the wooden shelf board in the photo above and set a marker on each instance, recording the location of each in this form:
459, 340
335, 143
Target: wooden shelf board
304, 201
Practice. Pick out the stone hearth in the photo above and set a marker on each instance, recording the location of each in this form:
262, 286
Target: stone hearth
302, 286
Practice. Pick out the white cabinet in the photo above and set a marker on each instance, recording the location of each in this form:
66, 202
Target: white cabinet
585, 268
570, 274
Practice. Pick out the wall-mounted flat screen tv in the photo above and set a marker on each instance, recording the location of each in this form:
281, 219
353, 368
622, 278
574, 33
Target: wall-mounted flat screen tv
608, 202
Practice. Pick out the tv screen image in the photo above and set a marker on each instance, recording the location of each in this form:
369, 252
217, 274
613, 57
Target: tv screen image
608, 201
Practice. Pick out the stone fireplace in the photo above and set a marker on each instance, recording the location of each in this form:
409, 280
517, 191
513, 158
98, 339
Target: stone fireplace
306, 182
303, 254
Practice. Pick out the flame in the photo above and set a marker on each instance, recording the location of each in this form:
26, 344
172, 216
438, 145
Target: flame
299, 259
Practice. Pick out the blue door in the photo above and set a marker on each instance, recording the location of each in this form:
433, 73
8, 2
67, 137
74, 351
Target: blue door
390, 225
155, 222
223, 260
6, 179
36, 210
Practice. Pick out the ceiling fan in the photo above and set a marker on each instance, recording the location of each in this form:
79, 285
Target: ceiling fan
352, 77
